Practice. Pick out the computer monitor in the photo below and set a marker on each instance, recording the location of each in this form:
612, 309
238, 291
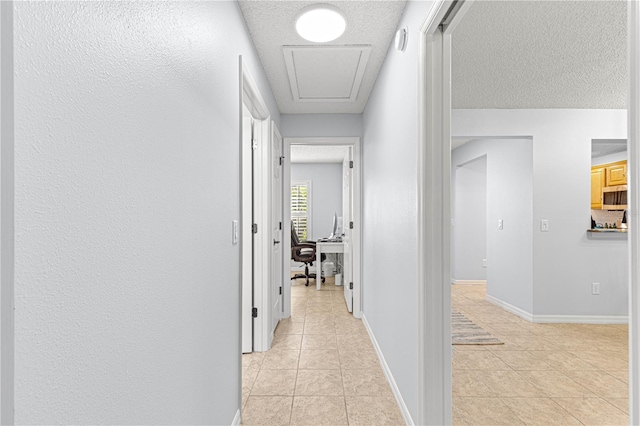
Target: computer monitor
335, 226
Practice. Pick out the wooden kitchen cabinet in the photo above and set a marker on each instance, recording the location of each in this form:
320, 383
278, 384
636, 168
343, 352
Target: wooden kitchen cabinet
603, 175
598, 177
616, 174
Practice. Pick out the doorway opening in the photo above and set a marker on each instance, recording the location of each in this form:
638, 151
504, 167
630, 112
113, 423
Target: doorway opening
434, 230
322, 204
507, 355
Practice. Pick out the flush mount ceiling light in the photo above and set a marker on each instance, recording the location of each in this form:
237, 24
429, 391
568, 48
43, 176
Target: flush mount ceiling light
321, 23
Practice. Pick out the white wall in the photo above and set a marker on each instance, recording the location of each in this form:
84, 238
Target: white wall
321, 125
565, 260
469, 230
509, 197
127, 180
390, 147
326, 194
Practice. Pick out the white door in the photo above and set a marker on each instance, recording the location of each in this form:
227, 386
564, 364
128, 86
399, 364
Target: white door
277, 224
247, 235
347, 219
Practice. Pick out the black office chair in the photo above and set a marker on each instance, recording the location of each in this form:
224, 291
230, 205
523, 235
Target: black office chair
304, 252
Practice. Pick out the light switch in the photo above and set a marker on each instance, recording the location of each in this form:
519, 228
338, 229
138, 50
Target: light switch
544, 225
500, 225
234, 232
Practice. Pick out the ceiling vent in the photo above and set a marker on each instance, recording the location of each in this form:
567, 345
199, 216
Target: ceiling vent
326, 73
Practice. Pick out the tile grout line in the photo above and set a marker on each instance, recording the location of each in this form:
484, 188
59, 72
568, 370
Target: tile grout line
569, 352
566, 411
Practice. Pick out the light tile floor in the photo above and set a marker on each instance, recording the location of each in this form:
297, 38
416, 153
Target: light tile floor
321, 370
544, 374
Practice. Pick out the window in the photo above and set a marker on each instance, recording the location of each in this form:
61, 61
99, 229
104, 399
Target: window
301, 208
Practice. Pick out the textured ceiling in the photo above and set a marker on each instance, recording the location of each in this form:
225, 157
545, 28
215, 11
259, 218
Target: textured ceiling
602, 147
318, 153
540, 54
271, 25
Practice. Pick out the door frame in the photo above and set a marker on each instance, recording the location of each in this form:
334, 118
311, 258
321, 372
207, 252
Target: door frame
353, 142
274, 133
633, 148
434, 226
258, 266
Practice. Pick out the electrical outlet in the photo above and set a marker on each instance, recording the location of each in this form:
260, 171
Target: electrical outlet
500, 225
595, 288
544, 225
484, 263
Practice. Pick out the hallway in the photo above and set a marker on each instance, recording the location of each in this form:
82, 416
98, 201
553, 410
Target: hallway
321, 370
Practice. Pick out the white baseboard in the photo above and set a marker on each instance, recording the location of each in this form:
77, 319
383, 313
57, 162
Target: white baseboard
468, 282
387, 372
510, 308
237, 420
558, 319
581, 319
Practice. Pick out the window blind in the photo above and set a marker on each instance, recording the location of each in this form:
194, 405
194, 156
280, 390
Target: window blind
300, 208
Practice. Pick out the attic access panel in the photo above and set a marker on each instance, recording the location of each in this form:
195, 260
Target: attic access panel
326, 73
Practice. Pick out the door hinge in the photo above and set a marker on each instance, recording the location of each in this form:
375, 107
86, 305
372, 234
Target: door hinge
350, 225
254, 312
280, 226
351, 164
281, 160
254, 144
281, 290
254, 228
350, 286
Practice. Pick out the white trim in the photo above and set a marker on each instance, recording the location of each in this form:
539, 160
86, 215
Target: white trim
468, 282
276, 253
237, 419
251, 97
287, 262
510, 308
432, 21
357, 212
581, 319
633, 148
246, 240
434, 306
558, 319
262, 239
387, 372
251, 94
289, 61
434, 219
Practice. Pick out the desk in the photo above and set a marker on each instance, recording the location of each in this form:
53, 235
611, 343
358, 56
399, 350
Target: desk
326, 247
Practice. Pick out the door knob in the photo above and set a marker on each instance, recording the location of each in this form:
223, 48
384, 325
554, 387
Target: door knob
275, 242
